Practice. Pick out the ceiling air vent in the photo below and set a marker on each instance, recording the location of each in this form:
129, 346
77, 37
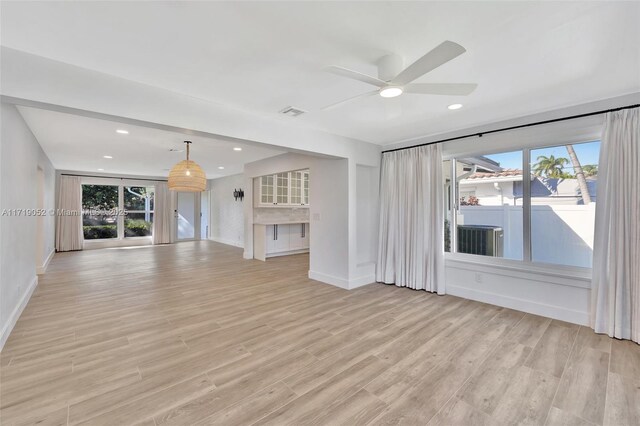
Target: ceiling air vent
291, 111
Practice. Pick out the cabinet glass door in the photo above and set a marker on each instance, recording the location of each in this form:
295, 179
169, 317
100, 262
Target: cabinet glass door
282, 188
266, 189
305, 187
296, 188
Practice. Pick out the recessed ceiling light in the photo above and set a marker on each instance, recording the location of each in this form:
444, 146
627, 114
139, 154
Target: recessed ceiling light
455, 106
122, 131
391, 92
237, 148
108, 157
101, 170
221, 167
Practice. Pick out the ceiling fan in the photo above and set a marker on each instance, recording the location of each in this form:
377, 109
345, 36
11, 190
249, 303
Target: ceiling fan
392, 81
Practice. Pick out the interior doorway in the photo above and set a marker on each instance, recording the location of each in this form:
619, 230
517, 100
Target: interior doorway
187, 222
204, 214
40, 257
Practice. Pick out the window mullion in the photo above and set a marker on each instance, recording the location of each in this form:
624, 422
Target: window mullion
526, 205
120, 216
453, 225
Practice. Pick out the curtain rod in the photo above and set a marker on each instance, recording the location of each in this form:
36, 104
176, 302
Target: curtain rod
110, 177
520, 126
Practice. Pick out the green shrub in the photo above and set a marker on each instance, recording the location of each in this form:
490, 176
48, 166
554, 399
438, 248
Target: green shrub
93, 232
137, 228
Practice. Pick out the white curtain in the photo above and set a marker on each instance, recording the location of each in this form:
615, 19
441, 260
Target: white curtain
163, 214
411, 237
615, 287
69, 234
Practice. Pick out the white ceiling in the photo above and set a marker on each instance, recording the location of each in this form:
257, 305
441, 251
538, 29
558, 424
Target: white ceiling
79, 143
527, 57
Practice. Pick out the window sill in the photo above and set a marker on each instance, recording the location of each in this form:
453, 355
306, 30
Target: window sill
557, 274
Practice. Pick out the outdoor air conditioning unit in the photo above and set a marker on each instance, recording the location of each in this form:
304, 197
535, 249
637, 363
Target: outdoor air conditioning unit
480, 239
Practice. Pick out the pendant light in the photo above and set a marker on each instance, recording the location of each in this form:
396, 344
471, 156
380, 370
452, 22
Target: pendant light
187, 176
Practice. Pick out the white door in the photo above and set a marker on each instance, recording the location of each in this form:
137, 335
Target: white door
282, 238
271, 238
296, 236
204, 215
305, 235
187, 222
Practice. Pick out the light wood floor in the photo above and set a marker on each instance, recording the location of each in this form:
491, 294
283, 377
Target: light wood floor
194, 334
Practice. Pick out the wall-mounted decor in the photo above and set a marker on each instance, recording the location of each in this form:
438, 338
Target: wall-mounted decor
238, 193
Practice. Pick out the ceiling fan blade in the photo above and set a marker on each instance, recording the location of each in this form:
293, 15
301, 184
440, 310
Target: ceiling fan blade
441, 54
344, 101
454, 89
355, 75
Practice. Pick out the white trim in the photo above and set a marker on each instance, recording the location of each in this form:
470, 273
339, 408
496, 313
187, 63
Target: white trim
362, 281
286, 253
43, 268
13, 318
229, 243
329, 279
341, 282
549, 311
557, 274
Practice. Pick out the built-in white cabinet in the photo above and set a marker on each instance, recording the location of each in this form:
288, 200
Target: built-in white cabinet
278, 240
285, 189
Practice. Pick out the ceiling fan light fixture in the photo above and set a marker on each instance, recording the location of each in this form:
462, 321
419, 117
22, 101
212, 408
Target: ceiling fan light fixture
390, 91
187, 176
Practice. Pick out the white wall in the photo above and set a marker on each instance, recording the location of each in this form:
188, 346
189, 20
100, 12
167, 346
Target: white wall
20, 158
227, 214
332, 248
367, 208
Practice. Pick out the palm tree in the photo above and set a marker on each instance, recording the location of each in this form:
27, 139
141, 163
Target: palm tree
550, 166
577, 169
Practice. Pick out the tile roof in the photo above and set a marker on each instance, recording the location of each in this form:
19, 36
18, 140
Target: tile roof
502, 173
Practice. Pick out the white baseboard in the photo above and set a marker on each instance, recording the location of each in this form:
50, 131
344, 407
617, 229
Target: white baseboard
227, 242
42, 269
13, 318
364, 280
549, 311
341, 282
287, 253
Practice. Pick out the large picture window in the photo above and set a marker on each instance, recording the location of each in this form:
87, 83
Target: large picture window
138, 203
535, 205
100, 208
117, 211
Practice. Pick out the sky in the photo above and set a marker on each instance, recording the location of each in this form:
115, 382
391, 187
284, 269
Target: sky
587, 154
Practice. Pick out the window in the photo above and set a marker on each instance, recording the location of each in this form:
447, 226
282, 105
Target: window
489, 207
563, 191
138, 203
548, 217
100, 207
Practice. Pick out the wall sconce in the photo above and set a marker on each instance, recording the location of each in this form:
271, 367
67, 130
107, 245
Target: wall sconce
238, 193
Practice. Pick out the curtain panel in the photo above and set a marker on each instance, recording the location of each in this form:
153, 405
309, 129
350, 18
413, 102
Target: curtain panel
163, 214
411, 232
615, 288
69, 233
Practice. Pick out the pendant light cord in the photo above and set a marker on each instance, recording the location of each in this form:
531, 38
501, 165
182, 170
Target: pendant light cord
187, 143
